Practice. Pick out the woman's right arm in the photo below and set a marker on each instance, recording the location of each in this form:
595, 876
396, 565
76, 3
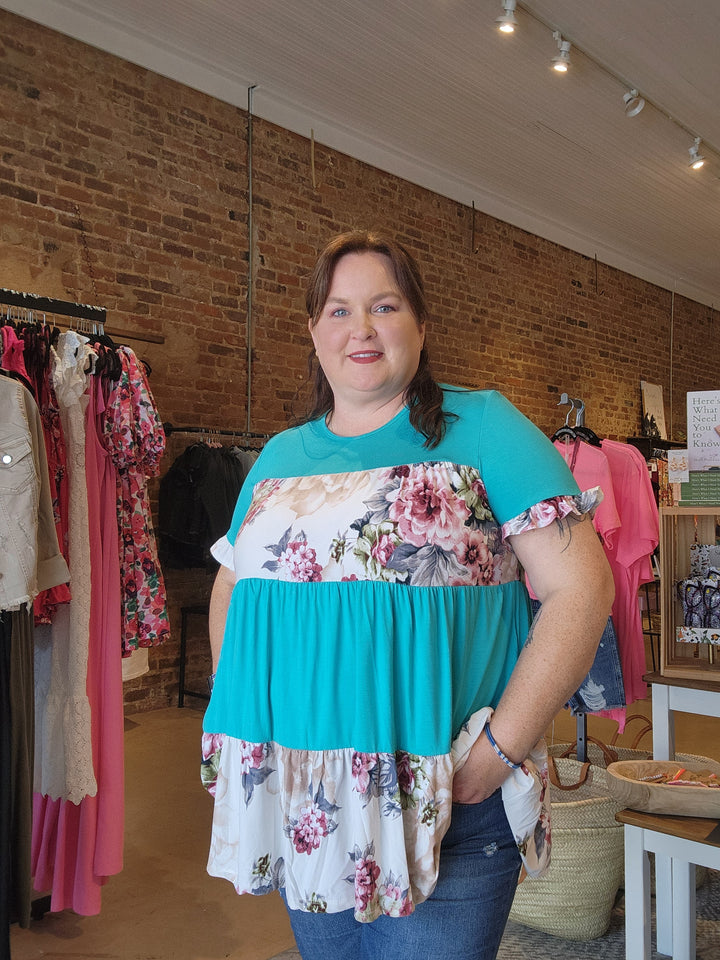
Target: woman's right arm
219, 604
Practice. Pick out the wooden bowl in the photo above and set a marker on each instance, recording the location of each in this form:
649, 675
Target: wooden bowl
626, 785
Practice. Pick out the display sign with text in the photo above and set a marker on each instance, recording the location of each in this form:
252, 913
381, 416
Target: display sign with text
703, 429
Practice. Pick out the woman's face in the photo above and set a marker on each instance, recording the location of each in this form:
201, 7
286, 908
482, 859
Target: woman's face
366, 338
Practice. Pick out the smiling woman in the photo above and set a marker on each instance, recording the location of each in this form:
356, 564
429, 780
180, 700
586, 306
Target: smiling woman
368, 622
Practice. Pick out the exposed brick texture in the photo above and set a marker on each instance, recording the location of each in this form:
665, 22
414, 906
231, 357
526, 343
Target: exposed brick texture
153, 177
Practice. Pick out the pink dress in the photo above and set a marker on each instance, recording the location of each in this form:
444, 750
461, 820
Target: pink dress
590, 467
627, 523
13, 348
77, 846
629, 557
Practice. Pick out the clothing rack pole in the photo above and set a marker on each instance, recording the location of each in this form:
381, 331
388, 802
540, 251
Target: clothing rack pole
581, 734
581, 719
63, 308
122, 335
171, 428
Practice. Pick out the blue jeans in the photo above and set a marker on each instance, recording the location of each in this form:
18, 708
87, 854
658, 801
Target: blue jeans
464, 918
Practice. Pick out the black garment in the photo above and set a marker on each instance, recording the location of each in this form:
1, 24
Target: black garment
17, 731
196, 502
22, 714
5, 786
220, 486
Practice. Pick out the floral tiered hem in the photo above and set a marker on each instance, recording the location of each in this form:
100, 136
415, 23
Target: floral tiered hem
338, 829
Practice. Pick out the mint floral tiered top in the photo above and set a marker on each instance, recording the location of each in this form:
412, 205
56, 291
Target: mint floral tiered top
377, 616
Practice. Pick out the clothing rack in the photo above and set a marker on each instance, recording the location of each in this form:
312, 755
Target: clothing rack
21, 307
239, 434
66, 308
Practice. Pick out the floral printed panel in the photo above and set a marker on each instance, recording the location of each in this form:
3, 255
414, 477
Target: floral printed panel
426, 524
341, 829
697, 635
554, 508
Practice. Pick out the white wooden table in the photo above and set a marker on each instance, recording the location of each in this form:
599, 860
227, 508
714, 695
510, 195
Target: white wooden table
683, 841
671, 694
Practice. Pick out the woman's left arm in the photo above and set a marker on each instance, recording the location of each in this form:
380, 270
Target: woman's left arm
570, 575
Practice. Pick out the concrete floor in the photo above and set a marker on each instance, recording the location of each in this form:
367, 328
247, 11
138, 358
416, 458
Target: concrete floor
164, 906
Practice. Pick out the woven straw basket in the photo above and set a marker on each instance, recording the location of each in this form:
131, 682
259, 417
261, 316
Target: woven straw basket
574, 900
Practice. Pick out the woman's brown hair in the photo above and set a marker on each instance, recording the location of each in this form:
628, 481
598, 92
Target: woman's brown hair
423, 395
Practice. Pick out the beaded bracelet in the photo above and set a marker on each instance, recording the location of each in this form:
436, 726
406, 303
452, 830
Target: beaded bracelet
505, 759
211, 682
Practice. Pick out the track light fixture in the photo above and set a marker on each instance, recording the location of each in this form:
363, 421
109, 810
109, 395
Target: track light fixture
507, 22
696, 158
562, 61
633, 103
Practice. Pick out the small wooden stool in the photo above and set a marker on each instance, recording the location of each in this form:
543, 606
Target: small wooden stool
686, 841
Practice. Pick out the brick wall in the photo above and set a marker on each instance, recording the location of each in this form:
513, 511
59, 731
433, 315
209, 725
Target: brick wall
121, 188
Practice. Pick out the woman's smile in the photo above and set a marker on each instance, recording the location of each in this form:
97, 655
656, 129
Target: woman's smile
366, 357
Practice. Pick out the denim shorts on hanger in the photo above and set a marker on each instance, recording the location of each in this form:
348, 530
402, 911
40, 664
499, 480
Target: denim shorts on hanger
602, 688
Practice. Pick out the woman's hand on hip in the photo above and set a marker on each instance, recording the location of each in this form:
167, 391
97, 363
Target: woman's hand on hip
481, 774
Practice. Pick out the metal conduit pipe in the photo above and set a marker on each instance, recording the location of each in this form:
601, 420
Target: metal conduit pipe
671, 434
251, 255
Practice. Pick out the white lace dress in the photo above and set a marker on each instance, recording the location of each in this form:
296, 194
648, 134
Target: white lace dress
63, 754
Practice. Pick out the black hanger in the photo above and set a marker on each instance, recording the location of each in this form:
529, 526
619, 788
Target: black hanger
107, 362
14, 375
579, 431
588, 435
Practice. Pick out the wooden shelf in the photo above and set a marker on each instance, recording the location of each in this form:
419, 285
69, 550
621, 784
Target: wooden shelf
680, 527
646, 445
697, 829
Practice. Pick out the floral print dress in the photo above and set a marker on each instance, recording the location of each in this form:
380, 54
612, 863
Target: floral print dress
135, 439
377, 615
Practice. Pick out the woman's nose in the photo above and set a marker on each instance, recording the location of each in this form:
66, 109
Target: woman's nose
363, 328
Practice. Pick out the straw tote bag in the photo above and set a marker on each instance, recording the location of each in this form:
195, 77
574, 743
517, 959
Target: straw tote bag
574, 900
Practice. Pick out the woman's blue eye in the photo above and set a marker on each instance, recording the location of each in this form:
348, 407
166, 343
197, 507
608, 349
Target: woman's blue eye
384, 308
340, 312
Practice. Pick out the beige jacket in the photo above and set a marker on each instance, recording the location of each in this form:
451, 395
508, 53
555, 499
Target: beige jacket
30, 559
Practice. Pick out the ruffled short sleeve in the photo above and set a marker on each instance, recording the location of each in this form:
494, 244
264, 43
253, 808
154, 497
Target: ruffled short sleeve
542, 514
